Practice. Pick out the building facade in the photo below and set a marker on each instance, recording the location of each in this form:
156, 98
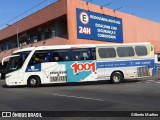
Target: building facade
77, 22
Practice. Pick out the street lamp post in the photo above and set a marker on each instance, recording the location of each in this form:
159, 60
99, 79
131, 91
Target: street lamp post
17, 32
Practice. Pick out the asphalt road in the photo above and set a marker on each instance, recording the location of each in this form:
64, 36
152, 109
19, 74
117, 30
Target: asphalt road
131, 95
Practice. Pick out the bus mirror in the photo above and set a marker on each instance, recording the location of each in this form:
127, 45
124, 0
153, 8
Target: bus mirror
151, 47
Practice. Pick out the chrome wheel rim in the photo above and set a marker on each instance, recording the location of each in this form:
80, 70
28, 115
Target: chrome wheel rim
33, 81
116, 78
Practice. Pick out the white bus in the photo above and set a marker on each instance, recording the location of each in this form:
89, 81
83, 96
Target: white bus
78, 63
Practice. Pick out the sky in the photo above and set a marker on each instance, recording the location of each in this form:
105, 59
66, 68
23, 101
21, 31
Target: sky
14, 10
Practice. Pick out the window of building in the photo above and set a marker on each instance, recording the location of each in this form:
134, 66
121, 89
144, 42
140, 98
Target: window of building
53, 31
33, 37
5, 46
1, 47
46, 33
61, 28
141, 50
125, 51
107, 52
43, 32
14, 43
9, 45
42, 35
22, 39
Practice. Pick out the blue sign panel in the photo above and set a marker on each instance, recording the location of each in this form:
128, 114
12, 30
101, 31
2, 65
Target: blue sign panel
95, 26
34, 68
149, 63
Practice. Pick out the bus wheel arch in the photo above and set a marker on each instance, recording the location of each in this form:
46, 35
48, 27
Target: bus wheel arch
34, 81
116, 77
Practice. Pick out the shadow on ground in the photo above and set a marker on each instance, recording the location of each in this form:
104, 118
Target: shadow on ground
75, 84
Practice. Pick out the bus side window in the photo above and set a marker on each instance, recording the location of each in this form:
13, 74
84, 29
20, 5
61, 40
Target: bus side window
61, 55
40, 57
81, 54
56, 59
48, 57
85, 56
93, 53
76, 57
66, 58
34, 60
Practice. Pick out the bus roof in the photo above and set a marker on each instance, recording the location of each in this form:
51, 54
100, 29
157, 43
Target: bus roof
124, 44
77, 46
55, 47
24, 49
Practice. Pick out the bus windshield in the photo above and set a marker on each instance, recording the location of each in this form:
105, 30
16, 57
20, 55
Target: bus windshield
17, 61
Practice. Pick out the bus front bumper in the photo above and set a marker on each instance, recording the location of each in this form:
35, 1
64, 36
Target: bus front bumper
13, 81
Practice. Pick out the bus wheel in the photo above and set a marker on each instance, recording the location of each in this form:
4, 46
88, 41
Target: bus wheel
116, 77
33, 81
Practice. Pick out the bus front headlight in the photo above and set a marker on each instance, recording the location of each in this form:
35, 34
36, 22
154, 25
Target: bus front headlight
7, 76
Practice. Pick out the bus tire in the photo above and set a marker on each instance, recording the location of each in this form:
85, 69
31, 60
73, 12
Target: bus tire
33, 81
116, 77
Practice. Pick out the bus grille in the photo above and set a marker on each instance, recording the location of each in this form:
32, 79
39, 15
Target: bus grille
143, 71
